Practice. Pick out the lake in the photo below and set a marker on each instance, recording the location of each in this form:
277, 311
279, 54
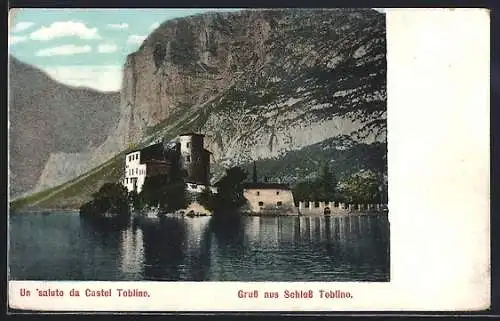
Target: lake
62, 246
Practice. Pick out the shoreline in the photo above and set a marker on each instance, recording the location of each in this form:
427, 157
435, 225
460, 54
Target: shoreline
354, 213
322, 215
42, 211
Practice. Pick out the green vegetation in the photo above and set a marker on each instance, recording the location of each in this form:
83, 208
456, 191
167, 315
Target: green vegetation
364, 187
111, 198
322, 188
229, 198
31, 199
166, 192
343, 158
75, 192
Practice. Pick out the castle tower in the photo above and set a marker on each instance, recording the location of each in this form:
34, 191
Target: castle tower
254, 176
194, 159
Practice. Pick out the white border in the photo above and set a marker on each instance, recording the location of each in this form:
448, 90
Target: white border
438, 154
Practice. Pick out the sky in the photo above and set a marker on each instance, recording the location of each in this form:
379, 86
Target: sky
85, 47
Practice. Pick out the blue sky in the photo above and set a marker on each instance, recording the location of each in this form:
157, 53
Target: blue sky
85, 47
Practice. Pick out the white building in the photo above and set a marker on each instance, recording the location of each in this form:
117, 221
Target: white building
135, 172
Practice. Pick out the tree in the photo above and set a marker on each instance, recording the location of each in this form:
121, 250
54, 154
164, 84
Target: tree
229, 197
169, 193
363, 187
152, 190
207, 199
136, 200
174, 196
304, 191
231, 188
112, 191
327, 184
323, 188
111, 197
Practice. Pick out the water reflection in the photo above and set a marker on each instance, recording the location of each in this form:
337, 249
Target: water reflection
347, 248
132, 252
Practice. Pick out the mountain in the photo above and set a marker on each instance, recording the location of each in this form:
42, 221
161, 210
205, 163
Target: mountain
292, 88
260, 83
47, 119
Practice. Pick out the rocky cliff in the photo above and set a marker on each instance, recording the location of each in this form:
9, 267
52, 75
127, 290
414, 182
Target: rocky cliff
49, 120
260, 83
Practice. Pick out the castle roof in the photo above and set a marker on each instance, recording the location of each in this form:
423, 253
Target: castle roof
265, 186
192, 134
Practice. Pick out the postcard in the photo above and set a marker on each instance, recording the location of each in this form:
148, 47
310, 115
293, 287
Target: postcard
197, 160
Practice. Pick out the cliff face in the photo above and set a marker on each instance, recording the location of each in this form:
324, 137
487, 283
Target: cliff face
47, 119
260, 83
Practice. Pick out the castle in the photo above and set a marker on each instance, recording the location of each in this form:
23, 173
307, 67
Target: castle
183, 155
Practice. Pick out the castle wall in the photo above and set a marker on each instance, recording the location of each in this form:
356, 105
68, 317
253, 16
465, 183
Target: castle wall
335, 208
270, 201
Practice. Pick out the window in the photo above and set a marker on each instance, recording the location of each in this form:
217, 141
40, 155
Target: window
261, 203
136, 156
316, 204
187, 145
129, 158
277, 192
136, 170
126, 180
278, 203
258, 193
188, 158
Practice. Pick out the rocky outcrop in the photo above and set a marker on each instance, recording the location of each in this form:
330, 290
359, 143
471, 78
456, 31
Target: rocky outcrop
260, 83
50, 124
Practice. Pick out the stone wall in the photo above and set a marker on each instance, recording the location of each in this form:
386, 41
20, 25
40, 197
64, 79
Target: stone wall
335, 208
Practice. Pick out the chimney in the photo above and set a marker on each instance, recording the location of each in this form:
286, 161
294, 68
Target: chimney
254, 173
